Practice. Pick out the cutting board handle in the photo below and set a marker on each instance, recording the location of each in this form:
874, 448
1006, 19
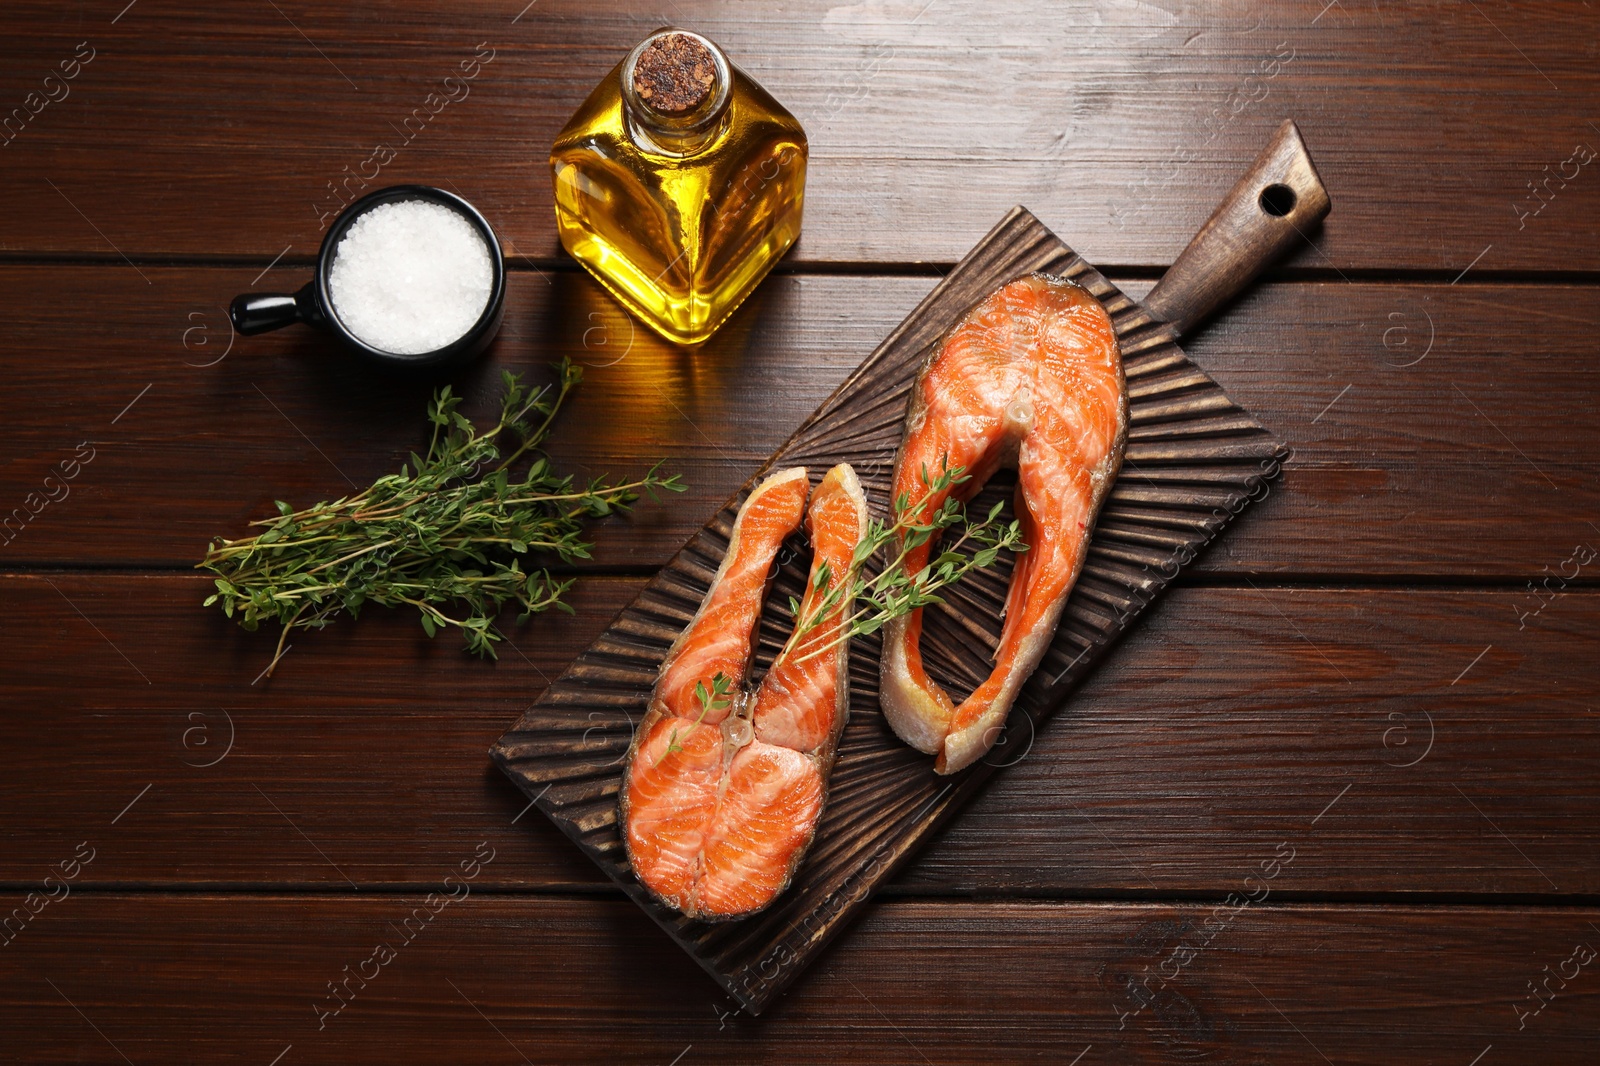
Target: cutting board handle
1273, 208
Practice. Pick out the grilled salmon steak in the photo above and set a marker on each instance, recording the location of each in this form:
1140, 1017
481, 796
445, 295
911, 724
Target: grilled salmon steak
724, 786
1031, 377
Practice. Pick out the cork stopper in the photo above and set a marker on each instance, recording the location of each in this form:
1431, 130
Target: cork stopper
674, 75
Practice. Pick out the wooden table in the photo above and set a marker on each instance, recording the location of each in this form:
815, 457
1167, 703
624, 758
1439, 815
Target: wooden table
1379, 688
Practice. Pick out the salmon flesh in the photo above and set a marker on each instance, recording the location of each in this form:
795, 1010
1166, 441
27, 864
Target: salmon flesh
1032, 378
721, 797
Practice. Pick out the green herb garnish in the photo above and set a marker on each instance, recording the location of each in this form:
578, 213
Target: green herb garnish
894, 592
449, 529
715, 700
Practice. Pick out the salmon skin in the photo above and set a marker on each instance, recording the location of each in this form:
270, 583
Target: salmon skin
724, 786
1032, 378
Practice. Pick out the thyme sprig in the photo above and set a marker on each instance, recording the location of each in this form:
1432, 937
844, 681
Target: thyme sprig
714, 700
895, 591
446, 535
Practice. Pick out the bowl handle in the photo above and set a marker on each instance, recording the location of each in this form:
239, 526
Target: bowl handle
261, 312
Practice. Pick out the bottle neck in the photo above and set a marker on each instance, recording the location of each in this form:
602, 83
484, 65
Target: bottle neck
675, 91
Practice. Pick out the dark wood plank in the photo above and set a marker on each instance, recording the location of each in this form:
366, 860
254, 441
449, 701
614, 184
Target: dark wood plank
1383, 449
1121, 126
492, 980
1229, 720
288, 416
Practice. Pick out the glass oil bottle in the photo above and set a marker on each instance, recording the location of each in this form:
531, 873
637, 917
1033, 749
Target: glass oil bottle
679, 183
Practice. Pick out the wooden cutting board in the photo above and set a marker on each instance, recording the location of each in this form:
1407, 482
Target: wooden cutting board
1194, 460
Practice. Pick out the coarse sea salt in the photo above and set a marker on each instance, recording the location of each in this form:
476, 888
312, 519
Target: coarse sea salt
410, 277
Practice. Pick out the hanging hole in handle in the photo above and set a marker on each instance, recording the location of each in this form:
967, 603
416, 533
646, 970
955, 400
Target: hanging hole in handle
1277, 200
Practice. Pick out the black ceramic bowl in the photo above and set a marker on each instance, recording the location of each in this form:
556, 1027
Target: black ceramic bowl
262, 311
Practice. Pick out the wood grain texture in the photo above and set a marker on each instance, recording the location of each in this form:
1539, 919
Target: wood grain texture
1378, 598
1121, 124
1393, 397
1226, 721
240, 979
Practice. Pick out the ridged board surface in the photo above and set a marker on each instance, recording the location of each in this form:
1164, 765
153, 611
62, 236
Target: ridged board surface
1194, 459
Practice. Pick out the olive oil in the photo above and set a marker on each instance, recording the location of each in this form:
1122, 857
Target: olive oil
679, 183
